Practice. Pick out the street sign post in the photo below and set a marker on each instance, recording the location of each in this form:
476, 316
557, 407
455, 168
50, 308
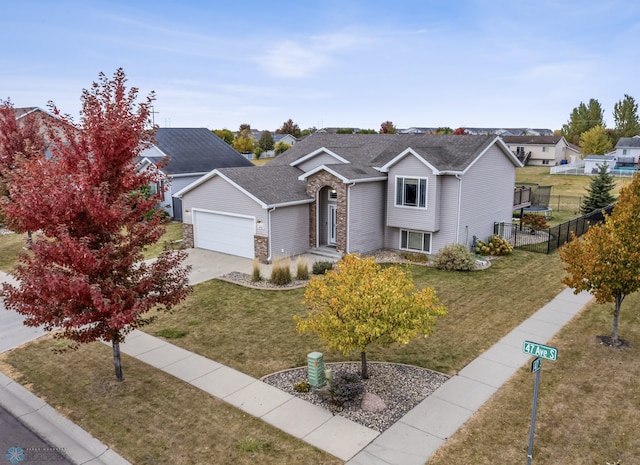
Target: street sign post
536, 364
540, 351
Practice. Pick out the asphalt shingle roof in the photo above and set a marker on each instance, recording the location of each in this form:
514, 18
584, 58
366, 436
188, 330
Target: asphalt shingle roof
196, 150
278, 183
628, 142
270, 183
532, 140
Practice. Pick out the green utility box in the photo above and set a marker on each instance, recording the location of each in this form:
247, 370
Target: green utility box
315, 362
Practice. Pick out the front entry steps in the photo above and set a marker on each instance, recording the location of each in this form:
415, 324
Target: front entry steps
326, 251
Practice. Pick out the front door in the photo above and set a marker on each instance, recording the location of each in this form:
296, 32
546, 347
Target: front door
333, 209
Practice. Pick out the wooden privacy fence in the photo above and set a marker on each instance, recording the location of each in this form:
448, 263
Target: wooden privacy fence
548, 240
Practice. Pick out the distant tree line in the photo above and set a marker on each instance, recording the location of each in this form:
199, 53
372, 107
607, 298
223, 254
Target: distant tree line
586, 126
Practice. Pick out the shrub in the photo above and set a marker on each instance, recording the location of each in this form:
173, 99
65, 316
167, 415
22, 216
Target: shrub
302, 268
256, 275
281, 271
302, 386
455, 257
322, 267
496, 246
536, 222
343, 388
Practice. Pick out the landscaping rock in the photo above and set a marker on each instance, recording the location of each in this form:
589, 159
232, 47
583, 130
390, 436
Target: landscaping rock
372, 403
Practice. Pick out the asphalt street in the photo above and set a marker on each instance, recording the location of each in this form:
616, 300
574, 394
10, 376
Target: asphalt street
20, 445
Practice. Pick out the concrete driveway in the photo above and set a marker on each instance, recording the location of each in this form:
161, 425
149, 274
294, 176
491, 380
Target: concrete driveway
208, 265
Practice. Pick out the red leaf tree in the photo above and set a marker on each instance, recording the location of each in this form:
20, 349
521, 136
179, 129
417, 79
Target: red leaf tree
86, 275
18, 139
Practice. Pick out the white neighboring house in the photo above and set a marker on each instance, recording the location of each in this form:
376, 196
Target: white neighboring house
628, 151
592, 163
541, 150
189, 154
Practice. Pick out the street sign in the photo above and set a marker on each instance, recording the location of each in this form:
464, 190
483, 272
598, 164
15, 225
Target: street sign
536, 364
540, 350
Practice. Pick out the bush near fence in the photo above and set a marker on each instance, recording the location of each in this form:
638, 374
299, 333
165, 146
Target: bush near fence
549, 240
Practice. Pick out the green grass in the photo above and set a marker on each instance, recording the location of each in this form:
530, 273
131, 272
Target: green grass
569, 185
171, 238
10, 246
253, 330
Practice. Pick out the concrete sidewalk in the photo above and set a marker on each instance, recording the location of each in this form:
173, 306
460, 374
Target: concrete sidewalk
410, 441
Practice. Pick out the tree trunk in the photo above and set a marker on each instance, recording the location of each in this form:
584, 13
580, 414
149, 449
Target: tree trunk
117, 363
29, 239
616, 314
363, 359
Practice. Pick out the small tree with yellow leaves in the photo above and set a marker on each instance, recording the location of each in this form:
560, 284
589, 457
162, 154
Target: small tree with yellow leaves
606, 261
360, 303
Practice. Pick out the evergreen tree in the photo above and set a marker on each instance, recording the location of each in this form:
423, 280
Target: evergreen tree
599, 192
582, 118
625, 115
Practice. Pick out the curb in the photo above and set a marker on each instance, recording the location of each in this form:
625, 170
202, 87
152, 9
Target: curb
37, 415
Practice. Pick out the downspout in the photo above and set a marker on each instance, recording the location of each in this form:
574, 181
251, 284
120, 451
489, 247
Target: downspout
269, 241
348, 245
458, 214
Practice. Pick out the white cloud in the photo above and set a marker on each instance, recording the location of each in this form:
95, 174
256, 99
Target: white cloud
291, 59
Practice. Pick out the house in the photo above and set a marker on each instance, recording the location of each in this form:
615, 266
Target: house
190, 153
592, 163
628, 151
48, 125
540, 150
355, 194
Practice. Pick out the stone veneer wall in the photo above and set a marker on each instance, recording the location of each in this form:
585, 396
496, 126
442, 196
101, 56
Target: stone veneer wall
261, 248
187, 235
315, 183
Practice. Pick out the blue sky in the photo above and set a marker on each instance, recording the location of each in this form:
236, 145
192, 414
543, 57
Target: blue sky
331, 63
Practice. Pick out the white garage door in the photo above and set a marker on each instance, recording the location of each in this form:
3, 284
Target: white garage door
223, 233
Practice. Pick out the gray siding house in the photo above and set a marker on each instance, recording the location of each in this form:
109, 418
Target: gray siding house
183, 155
355, 194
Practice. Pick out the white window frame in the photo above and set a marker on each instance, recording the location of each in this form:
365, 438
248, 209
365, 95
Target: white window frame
421, 192
405, 242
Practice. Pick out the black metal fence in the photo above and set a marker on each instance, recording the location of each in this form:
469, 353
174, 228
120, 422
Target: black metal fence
548, 240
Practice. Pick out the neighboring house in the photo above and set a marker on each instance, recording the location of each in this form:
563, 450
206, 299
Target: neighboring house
628, 151
286, 138
45, 121
190, 153
509, 131
592, 163
355, 194
540, 150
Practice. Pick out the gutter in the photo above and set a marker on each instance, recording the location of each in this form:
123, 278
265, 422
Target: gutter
269, 251
348, 244
458, 214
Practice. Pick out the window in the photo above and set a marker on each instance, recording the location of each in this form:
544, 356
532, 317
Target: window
545, 162
545, 148
624, 151
411, 192
415, 240
519, 150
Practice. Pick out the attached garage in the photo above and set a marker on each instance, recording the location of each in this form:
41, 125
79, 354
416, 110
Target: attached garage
223, 232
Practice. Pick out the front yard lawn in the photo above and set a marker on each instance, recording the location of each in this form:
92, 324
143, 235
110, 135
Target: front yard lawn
253, 330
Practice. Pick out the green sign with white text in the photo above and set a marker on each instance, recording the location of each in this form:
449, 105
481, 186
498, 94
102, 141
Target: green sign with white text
540, 350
